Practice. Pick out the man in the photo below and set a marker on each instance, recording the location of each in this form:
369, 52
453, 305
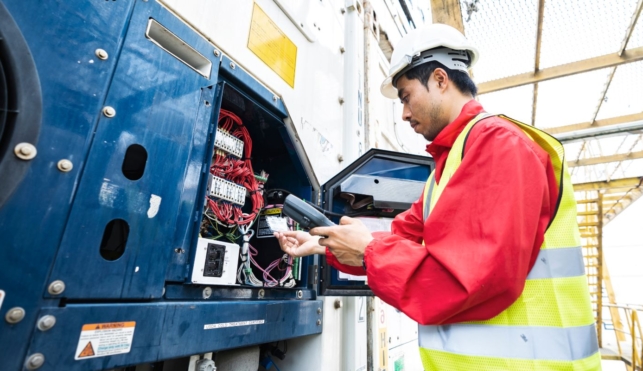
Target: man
488, 260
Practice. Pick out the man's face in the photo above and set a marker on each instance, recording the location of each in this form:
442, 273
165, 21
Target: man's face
422, 106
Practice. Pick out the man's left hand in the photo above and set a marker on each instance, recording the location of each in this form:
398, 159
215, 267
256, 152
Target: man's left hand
347, 241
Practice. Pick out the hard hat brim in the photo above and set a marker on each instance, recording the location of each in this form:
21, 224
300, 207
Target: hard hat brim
387, 89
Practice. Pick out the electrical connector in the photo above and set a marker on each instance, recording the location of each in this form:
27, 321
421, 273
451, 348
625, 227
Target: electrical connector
229, 143
228, 191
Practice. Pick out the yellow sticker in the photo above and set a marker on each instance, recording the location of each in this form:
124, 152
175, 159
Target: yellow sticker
272, 46
105, 339
275, 211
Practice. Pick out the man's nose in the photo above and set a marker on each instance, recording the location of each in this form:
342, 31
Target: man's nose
406, 114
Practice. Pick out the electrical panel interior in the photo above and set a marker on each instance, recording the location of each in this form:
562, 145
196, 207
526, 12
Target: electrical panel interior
251, 172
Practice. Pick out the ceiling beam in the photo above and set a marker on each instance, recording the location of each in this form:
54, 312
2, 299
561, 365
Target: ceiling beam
616, 183
630, 28
447, 12
606, 159
591, 64
616, 209
539, 39
626, 39
598, 123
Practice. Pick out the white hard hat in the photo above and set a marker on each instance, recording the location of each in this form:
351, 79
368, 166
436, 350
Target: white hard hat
434, 42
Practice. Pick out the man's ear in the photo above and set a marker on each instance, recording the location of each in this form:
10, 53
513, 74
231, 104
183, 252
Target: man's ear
441, 77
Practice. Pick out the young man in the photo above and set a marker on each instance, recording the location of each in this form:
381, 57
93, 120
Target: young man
488, 261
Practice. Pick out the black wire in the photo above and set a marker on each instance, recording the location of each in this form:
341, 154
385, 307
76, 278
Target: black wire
330, 213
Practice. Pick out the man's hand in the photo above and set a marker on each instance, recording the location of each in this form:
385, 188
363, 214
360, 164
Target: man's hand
347, 241
299, 243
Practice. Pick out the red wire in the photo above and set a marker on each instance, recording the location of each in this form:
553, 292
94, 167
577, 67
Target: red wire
238, 171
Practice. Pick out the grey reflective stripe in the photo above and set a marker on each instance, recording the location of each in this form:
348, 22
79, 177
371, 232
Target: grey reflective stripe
427, 197
558, 263
534, 343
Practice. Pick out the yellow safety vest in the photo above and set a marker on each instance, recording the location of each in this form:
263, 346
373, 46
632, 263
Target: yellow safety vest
551, 325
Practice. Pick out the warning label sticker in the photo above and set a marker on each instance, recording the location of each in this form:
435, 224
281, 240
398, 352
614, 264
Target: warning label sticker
272, 46
105, 339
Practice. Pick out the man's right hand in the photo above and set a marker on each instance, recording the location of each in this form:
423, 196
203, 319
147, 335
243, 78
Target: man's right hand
299, 243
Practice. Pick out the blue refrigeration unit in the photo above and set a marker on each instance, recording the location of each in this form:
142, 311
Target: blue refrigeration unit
139, 167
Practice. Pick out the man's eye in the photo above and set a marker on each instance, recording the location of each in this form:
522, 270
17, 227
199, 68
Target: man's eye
404, 100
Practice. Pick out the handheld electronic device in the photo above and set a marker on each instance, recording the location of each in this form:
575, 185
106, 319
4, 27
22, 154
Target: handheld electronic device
304, 214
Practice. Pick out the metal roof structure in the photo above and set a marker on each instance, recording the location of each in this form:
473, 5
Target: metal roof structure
573, 68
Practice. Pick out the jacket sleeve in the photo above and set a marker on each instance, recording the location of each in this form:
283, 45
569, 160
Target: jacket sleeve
481, 238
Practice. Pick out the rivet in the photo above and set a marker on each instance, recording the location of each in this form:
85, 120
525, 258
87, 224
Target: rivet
275, 98
341, 49
109, 111
25, 151
318, 310
15, 315
337, 304
57, 287
300, 294
46, 322
318, 322
343, 10
65, 165
262, 293
102, 54
232, 65
340, 100
217, 53
35, 361
207, 292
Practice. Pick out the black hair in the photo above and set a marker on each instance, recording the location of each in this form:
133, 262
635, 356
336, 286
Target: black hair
461, 80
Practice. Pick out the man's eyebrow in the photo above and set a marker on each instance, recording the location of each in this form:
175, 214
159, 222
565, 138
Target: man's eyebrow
400, 93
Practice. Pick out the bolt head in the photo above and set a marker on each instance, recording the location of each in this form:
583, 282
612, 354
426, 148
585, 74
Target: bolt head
262, 293
35, 361
65, 165
15, 315
109, 111
217, 53
57, 287
318, 310
101, 54
232, 65
25, 151
342, 49
46, 322
337, 303
318, 322
207, 292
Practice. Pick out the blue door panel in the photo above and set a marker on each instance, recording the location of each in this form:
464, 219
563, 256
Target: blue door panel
158, 102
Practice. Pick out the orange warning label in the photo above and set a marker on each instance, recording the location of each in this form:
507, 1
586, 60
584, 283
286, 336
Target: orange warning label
105, 339
88, 351
103, 326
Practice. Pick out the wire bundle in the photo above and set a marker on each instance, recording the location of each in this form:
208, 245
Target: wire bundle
238, 171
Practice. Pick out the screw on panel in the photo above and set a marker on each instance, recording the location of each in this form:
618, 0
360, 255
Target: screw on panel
275, 98
217, 53
262, 293
65, 165
35, 361
318, 322
300, 294
318, 310
46, 322
207, 292
25, 151
15, 315
232, 65
337, 304
56, 287
101, 54
109, 111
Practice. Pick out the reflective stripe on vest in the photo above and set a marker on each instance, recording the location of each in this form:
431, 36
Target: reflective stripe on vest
551, 325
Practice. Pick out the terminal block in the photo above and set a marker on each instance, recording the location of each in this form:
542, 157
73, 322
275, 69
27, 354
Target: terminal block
228, 143
227, 190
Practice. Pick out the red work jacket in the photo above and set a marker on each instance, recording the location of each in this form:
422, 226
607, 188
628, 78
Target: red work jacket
482, 237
